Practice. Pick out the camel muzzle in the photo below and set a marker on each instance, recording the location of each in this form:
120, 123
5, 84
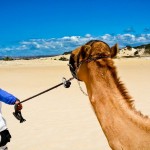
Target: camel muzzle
72, 67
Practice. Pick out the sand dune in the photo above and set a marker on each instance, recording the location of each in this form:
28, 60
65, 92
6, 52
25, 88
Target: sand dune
63, 119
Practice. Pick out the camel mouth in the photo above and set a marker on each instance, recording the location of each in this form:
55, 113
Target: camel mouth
72, 66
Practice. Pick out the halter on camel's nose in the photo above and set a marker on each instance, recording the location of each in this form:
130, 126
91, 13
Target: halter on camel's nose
74, 62
72, 67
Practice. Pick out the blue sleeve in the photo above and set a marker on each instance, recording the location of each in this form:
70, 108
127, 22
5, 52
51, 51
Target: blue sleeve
7, 97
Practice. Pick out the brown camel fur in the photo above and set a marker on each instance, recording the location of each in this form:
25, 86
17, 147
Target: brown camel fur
124, 127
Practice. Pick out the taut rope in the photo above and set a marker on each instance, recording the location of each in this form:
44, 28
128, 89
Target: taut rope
18, 114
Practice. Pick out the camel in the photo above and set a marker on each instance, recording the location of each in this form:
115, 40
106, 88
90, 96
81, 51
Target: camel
124, 127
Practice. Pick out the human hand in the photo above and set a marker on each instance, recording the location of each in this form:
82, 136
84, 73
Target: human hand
18, 105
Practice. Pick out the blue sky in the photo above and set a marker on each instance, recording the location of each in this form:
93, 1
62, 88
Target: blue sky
39, 27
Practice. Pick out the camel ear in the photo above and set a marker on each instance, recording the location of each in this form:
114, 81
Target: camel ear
85, 51
114, 50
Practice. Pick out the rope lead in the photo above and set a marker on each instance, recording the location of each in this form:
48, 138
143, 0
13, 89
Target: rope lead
18, 114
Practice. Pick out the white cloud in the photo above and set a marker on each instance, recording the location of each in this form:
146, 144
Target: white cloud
68, 43
88, 35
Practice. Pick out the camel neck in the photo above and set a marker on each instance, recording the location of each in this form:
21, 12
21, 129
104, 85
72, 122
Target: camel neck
114, 114
100, 83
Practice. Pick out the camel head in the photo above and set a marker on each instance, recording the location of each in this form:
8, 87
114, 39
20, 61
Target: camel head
91, 51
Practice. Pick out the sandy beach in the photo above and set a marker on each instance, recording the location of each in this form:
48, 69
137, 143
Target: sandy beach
63, 119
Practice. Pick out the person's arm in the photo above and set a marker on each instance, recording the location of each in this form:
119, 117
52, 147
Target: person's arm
9, 99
